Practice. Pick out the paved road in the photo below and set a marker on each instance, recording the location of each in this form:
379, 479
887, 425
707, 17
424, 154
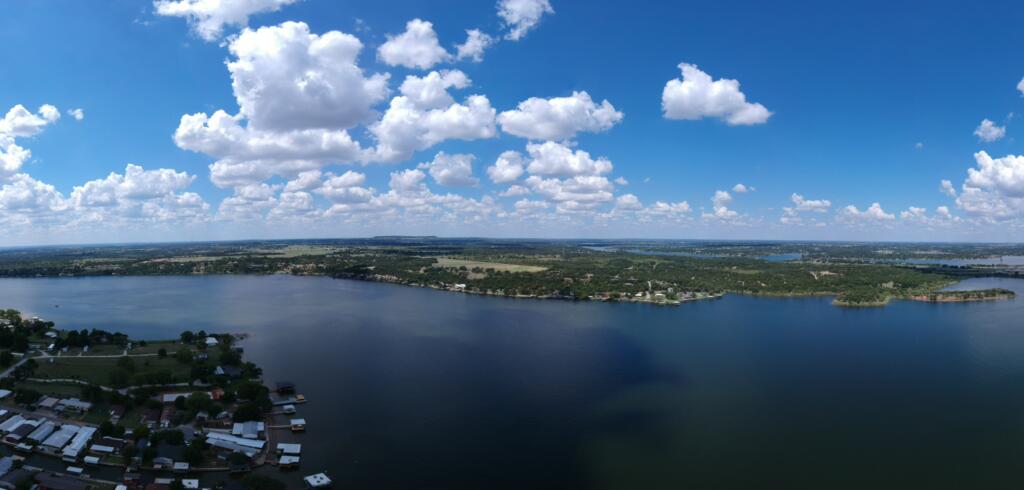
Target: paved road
11, 369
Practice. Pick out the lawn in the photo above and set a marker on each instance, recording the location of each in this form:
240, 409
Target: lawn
98, 370
450, 263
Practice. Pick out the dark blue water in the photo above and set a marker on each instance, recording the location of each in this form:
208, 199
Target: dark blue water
414, 388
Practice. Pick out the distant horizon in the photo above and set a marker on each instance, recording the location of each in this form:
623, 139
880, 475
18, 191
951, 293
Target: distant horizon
485, 238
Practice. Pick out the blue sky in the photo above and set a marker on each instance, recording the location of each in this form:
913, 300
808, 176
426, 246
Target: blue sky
877, 102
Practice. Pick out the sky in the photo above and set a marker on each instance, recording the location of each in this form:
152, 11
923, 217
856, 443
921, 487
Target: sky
178, 120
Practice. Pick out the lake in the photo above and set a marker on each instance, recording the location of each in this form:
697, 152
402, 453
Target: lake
416, 388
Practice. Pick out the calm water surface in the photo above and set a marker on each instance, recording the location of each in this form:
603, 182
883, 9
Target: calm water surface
414, 388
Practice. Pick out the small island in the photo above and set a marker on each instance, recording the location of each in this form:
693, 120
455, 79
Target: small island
162, 412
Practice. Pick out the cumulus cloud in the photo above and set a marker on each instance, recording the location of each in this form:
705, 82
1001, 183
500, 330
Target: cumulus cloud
452, 170
556, 159
77, 114
697, 96
743, 189
298, 94
286, 78
947, 188
476, 43
425, 115
993, 190
988, 131
559, 118
873, 213
347, 188
417, 47
246, 155
19, 122
815, 205
507, 168
520, 16
1020, 86
208, 18
720, 208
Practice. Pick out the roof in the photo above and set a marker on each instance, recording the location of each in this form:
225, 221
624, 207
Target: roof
75, 403
288, 460
60, 438
211, 341
298, 421
48, 402
79, 441
181, 465
287, 448
57, 482
43, 431
230, 446
317, 480
4, 394
12, 423
99, 448
190, 483
250, 443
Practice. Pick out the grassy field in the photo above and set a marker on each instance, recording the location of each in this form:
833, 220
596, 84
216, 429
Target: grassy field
98, 370
52, 389
450, 263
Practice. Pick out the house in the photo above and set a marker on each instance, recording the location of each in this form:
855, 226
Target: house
11, 423
59, 439
248, 430
5, 394
73, 405
298, 425
161, 462
288, 462
48, 403
189, 483
21, 431
42, 432
318, 480
116, 412
181, 467
91, 460
78, 444
52, 334
289, 409
289, 449
211, 341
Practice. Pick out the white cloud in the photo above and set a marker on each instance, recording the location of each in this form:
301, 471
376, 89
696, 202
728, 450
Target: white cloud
1020, 86
628, 202
743, 189
247, 155
621, 181
77, 114
559, 118
452, 170
298, 94
507, 168
476, 43
414, 123
994, 190
988, 132
556, 159
305, 181
522, 15
873, 213
815, 205
514, 190
21, 123
697, 96
208, 17
346, 188
947, 188
431, 91
919, 146
417, 47
720, 208
592, 189
1003, 175
138, 194
286, 78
